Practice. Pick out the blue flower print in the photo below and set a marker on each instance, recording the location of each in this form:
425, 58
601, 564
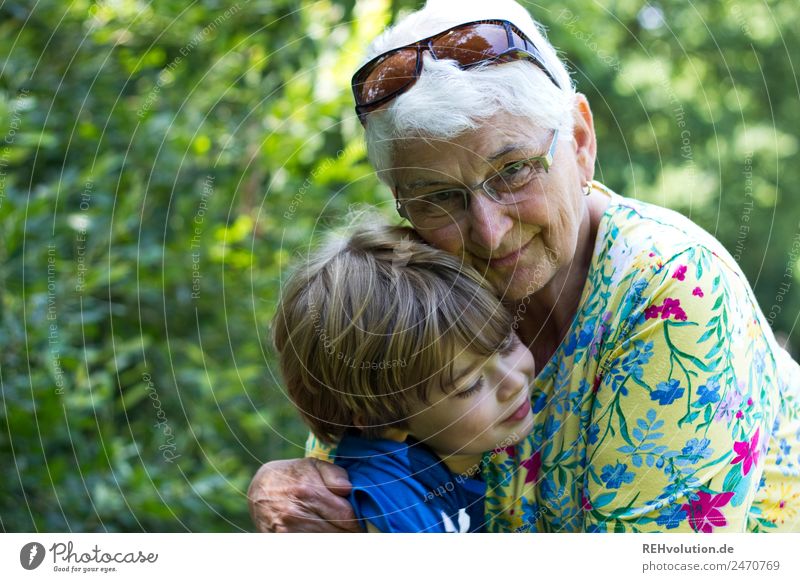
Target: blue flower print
592, 432
671, 517
667, 393
540, 402
695, 450
709, 393
639, 356
615, 476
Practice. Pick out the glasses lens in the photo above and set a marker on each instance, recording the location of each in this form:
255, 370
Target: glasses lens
516, 187
387, 77
435, 210
472, 44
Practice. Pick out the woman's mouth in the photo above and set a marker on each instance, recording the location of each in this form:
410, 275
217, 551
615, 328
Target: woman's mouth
509, 260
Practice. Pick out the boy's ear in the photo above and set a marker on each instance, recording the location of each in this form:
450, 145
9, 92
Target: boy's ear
395, 434
358, 422
391, 433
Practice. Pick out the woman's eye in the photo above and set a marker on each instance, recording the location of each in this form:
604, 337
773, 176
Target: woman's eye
472, 389
515, 175
512, 169
441, 196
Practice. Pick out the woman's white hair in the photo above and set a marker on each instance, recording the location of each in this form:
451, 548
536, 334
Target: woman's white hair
446, 101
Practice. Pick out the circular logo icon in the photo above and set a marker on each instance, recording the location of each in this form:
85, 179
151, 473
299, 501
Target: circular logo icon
31, 555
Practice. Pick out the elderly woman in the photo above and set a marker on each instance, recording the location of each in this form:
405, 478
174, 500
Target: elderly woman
662, 400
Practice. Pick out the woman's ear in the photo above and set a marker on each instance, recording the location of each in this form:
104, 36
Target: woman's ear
585, 139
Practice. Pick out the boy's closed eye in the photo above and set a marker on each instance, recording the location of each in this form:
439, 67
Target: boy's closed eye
473, 388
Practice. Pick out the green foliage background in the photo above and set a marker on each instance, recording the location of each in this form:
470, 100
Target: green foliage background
162, 162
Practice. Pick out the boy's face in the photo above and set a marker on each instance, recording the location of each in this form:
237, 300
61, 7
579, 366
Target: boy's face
488, 407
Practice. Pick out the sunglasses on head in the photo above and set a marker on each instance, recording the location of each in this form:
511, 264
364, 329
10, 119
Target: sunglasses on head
470, 44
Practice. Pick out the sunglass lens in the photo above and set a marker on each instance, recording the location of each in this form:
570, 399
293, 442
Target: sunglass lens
387, 77
471, 45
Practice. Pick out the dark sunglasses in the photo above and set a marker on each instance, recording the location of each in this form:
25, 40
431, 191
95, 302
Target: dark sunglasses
470, 44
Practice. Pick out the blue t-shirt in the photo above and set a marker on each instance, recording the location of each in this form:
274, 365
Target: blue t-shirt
405, 487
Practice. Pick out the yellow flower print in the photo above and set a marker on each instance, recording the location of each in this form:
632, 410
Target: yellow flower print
780, 503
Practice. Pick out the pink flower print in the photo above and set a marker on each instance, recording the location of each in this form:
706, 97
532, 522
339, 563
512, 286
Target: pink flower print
739, 414
510, 450
651, 255
585, 503
596, 386
673, 307
729, 405
652, 312
747, 453
532, 464
697, 291
704, 513
749, 402
670, 307
680, 273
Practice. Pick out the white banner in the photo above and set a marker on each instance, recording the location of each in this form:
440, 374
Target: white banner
330, 558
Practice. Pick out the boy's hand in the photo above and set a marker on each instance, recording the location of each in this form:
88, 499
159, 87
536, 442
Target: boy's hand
301, 495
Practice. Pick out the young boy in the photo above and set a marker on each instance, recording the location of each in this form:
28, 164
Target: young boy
404, 359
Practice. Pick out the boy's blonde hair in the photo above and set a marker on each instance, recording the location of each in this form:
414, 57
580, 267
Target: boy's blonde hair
372, 320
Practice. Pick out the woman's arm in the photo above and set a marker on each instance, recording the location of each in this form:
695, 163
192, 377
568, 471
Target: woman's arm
301, 495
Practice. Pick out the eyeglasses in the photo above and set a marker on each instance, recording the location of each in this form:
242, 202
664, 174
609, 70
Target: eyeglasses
469, 44
508, 186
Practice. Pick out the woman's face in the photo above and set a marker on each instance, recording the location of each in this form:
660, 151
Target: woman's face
518, 248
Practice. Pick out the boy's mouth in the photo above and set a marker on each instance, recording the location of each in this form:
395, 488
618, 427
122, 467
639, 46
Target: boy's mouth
520, 413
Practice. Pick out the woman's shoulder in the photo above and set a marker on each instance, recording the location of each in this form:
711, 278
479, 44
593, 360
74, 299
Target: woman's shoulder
635, 235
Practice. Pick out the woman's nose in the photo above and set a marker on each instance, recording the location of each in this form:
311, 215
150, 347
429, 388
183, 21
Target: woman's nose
489, 222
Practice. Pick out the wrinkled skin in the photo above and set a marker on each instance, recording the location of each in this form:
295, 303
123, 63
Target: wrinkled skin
301, 495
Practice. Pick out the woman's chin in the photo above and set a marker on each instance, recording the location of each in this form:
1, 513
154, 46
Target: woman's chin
517, 284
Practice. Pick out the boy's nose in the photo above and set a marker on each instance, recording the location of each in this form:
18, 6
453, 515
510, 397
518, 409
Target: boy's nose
511, 386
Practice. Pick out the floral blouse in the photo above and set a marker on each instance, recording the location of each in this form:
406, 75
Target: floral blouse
669, 406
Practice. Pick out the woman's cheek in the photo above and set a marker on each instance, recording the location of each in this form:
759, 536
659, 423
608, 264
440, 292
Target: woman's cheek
449, 239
